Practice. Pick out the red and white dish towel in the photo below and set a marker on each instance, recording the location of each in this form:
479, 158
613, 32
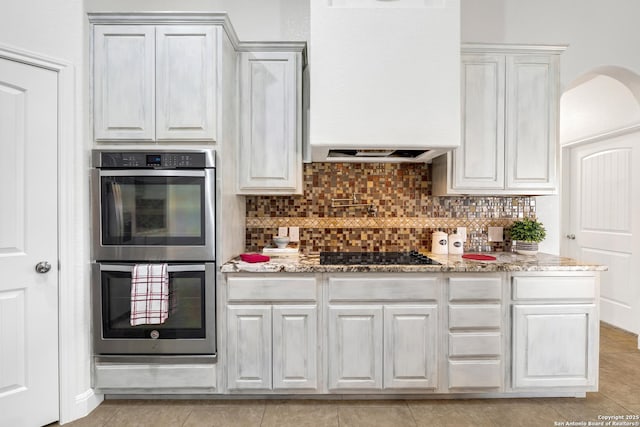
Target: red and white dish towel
149, 294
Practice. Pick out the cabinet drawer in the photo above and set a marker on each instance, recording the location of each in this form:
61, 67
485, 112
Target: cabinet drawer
477, 344
156, 377
475, 288
260, 288
474, 316
554, 287
385, 288
475, 374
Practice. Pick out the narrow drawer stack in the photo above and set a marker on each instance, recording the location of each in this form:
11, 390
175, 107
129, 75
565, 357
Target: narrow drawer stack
475, 333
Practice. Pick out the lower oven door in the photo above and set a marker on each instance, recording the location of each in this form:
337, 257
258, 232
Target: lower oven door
189, 329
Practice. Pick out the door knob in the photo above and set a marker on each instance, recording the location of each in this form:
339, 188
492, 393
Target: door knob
571, 236
43, 267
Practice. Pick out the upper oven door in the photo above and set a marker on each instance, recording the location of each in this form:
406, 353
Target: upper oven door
153, 215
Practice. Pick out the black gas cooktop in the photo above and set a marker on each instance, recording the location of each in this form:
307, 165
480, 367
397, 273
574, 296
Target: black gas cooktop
375, 258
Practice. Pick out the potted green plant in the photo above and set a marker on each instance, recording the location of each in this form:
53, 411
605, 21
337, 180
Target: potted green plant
527, 233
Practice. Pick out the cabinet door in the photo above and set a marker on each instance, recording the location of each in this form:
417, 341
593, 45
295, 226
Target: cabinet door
295, 347
355, 347
124, 82
555, 346
410, 346
531, 131
186, 83
249, 347
479, 161
270, 159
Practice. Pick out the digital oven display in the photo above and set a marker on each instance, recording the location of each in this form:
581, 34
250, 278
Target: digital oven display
154, 160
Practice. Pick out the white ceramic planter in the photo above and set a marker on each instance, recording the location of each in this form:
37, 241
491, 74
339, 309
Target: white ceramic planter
526, 248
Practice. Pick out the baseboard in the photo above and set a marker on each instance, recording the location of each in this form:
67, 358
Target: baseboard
83, 405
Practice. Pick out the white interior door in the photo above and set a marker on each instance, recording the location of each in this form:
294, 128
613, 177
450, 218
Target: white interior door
604, 213
28, 235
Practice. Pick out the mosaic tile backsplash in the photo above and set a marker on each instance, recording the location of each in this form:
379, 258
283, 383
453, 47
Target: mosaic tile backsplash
395, 212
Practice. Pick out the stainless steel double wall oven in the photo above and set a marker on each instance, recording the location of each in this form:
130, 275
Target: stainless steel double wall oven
154, 207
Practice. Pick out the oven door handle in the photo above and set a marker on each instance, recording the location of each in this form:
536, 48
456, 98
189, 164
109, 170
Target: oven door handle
151, 172
119, 208
171, 268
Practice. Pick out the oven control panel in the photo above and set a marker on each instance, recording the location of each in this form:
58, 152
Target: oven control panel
146, 160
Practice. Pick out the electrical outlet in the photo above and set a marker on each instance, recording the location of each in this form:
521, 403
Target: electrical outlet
462, 231
495, 234
294, 234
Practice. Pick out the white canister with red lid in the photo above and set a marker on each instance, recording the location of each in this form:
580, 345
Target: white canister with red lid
439, 243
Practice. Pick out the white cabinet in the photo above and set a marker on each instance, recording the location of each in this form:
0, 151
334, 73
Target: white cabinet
295, 347
271, 345
124, 82
270, 157
375, 347
509, 123
355, 347
185, 83
394, 333
555, 333
389, 339
249, 347
475, 336
410, 346
154, 83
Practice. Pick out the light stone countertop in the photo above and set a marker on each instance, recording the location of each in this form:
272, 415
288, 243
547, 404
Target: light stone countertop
505, 261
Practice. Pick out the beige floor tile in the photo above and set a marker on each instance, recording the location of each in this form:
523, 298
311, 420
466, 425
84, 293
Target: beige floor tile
449, 413
235, 415
586, 409
632, 410
613, 332
621, 392
156, 414
616, 368
300, 415
611, 345
520, 412
375, 416
98, 418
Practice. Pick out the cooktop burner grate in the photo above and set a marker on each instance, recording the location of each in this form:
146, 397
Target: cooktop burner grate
375, 258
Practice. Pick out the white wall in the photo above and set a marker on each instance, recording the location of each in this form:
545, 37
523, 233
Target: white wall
598, 32
599, 105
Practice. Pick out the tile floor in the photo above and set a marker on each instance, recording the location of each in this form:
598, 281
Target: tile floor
619, 395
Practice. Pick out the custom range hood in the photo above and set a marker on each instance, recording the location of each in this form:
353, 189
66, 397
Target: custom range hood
384, 80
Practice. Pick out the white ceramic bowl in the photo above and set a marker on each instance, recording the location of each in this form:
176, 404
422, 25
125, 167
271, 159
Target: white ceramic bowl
281, 241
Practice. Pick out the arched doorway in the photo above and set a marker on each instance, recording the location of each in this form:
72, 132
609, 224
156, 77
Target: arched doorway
600, 139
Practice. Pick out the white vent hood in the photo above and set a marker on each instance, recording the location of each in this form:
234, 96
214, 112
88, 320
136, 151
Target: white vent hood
385, 78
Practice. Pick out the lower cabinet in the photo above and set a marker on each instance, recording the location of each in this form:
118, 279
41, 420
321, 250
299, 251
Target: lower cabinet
413, 333
553, 345
271, 347
383, 347
555, 332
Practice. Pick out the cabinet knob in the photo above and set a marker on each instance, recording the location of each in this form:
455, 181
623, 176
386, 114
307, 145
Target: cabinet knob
571, 236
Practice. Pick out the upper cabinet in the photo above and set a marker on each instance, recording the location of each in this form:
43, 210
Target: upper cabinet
509, 123
270, 155
154, 82
185, 76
